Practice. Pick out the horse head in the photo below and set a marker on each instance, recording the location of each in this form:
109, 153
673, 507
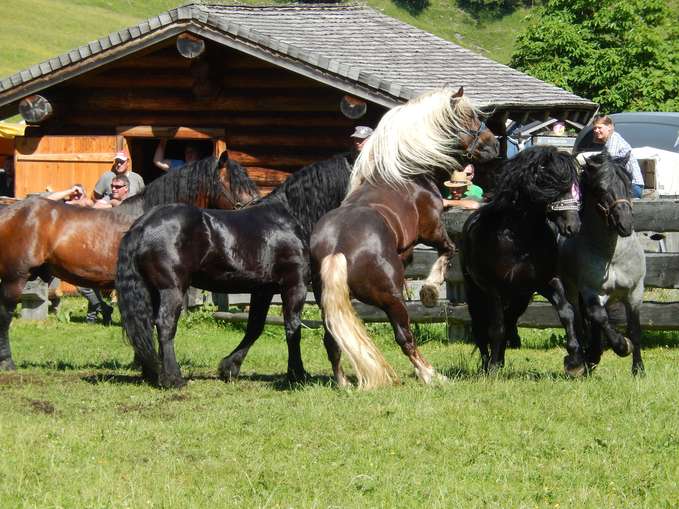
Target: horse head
237, 190
478, 142
541, 182
607, 181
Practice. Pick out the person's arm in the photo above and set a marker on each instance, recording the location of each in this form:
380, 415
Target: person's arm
463, 203
63, 195
159, 156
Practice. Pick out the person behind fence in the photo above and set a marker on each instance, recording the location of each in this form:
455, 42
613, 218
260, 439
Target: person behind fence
358, 138
458, 194
7, 178
191, 154
121, 166
120, 186
603, 130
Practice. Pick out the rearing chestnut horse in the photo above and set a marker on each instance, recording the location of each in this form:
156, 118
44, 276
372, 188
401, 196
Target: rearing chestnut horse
393, 204
41, 237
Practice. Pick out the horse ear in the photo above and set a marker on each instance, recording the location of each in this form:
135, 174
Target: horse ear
223, 159
459, 93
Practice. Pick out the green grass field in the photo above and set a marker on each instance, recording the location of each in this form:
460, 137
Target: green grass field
79, 429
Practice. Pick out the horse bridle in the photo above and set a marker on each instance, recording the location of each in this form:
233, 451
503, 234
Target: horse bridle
607, 209
476, 135
567, 204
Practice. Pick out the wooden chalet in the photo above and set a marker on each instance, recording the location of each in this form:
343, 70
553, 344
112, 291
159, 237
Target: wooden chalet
275, 85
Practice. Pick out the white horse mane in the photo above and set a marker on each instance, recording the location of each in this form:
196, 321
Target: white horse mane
415, 138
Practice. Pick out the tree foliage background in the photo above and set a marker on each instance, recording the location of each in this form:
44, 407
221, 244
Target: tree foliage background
622, 54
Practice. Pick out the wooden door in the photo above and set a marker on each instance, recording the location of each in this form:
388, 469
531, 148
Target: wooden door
57, 162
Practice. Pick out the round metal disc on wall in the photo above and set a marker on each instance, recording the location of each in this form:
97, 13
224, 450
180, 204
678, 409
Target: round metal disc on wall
353, 107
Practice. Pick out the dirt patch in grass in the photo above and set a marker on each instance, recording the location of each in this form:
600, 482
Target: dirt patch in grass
41, 406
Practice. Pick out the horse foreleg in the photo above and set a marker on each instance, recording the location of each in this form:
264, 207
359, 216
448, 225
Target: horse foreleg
168, 315
598, 314
10, 293
429, 292
229, 367
574, 362
293, 297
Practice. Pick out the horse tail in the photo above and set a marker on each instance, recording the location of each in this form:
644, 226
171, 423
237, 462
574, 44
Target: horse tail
136, 306
347, 328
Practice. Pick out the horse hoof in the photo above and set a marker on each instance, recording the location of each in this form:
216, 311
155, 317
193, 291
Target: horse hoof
573, 369
626, 348
429, 295
638, 369
7, 365
228, 370
171, 382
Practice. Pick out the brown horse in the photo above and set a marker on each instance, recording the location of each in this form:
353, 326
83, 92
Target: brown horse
360, 248
44, 238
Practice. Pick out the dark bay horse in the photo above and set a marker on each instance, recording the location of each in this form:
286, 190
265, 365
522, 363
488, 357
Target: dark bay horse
509, 251
262, 249
605, 262
360, 248
41, 237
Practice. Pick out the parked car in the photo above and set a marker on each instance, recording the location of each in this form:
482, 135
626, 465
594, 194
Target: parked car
640, 129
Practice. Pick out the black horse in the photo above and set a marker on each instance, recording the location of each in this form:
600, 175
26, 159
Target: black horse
509, 251
262, 249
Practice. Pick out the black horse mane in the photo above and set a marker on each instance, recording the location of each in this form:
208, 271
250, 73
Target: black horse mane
184, 184
534, 177
314, 190
601, 169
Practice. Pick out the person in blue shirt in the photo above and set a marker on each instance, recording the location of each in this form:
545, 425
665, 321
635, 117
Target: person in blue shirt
190, 154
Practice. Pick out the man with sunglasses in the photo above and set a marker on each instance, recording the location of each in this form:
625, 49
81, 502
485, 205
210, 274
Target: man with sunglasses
120, 168
120, 188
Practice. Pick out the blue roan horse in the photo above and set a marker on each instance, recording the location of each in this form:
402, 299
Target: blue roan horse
605, 263
262, 249
509, 251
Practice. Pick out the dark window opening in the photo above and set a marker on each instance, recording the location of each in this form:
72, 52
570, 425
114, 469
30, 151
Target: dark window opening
142, 151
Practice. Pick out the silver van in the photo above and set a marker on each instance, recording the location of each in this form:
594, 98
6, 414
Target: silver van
639, 129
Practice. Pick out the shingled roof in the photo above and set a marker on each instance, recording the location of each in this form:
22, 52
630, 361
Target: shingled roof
352, 47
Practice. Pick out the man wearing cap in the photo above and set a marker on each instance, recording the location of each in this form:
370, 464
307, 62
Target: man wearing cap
121, 166
458, 186
358, 138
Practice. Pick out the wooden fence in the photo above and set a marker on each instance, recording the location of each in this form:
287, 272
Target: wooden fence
662, 271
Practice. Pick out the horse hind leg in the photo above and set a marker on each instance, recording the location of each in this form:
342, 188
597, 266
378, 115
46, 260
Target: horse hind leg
397, 313
10, 293
293, 297
634, 332
169, 309
229, 367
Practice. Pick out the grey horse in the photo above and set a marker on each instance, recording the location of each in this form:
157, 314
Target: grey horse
604, 262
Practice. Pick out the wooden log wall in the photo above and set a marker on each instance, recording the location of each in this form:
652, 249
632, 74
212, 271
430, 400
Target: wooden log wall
275, 120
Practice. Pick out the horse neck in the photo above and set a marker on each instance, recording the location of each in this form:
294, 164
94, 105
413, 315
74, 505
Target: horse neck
595, 230
132, 206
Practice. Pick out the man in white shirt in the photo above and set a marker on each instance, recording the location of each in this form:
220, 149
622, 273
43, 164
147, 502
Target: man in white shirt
603, 130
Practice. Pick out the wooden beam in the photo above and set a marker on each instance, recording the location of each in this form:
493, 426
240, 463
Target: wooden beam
194, 133
81, 157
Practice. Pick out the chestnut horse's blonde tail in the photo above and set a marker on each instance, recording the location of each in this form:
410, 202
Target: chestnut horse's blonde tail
347, 328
